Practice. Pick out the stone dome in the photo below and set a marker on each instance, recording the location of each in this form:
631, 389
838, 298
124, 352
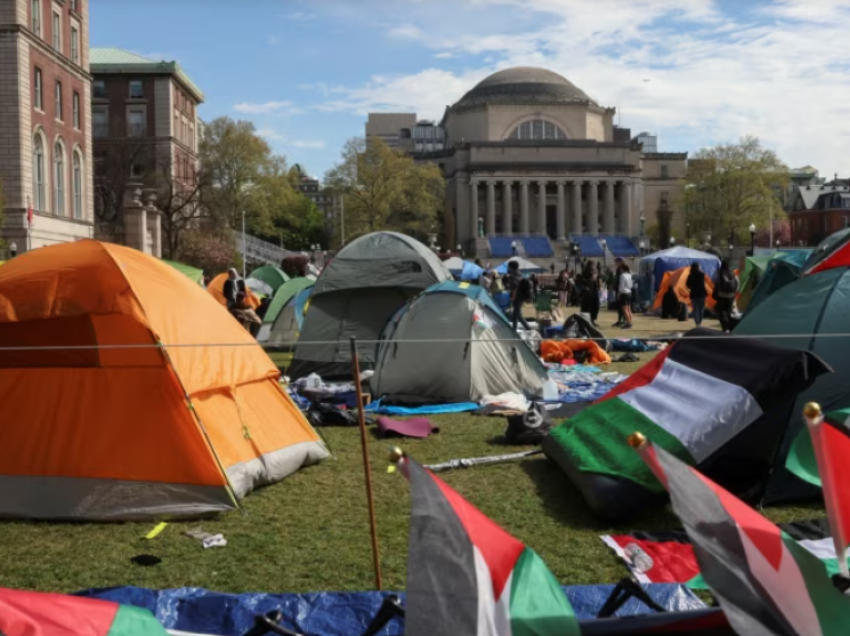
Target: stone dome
524, 85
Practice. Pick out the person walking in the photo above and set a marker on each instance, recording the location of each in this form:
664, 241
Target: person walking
696, 287
563, 286
621, 317
521, 291
725, 288
624, 295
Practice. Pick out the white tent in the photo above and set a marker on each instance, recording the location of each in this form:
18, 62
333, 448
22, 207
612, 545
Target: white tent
525, 266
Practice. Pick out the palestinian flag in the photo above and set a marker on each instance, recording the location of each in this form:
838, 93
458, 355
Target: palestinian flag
35, 614
765, 581
465, 575
699, 400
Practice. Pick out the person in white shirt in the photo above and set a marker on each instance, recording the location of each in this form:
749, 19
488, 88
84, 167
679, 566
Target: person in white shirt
624, 294
312, 271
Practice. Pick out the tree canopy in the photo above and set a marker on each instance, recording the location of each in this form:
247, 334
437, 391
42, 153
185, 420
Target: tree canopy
730, 186
384, 189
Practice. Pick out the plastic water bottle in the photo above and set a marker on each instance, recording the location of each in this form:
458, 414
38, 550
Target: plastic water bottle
639, 559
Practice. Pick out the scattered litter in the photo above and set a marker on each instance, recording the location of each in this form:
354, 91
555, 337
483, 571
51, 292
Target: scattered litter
512, 401
146, 560
480, 461
153, 534
207, 539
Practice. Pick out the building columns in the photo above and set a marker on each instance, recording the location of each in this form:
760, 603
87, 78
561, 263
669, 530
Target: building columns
473, 209
577, 208
523, 210
608, 224
490, 220
562, 213
593, 209
626, 208
507, 211
541, 207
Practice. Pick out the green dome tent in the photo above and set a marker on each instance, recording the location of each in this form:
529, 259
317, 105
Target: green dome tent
272, 276
814, 307
782, 269
282, 296
754, 268
197, 275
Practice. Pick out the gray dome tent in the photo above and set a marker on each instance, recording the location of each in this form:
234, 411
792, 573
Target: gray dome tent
356, 294
454, 344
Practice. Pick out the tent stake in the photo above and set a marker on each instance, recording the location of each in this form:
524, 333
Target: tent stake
364, 445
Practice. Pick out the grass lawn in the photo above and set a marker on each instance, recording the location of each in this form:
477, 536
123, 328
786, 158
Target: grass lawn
311, 532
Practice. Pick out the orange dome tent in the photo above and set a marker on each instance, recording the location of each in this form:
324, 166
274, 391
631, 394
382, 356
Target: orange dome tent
103, 424
678, 280
216, 288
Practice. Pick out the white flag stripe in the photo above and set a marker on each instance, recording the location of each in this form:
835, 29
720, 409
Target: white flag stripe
679, 399
821, 548
785, 586
494, 617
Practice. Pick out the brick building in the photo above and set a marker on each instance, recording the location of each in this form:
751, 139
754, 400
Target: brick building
819, 210
145, 130
45, 121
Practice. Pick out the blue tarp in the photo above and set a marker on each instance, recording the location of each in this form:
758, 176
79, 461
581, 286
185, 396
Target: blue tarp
429, 409
335, 614
470, 271
659, 263
300, 300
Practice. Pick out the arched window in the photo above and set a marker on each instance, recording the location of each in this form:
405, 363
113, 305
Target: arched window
78, 185
59, 179
38, 197
537, 129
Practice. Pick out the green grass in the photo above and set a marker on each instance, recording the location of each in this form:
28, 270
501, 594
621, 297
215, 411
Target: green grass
311, 532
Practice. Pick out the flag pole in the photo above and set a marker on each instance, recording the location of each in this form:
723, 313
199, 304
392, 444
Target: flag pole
638, 441
364, 446
813, 415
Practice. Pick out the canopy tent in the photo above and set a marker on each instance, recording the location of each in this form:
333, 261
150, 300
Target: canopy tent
655, 265
182, 429
284, 332
677, 280
272, 276
216, 288
282, 296
463, 270
361, 288
834, 251
195, 275
525, 266
426, 356
782, 269
812, 305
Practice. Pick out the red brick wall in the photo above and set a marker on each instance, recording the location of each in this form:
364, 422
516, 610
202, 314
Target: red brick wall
812, 227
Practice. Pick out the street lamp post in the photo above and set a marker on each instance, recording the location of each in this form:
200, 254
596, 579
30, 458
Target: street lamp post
731, 247
642, 246
576, 253
753, 239
513, 248
13, 249
642, 223
604, 245
672, 241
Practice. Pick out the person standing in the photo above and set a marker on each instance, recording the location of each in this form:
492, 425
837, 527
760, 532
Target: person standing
520, 289
696, 287
591, 286
624, 295
621, 317
562, 285
230, 288
725, 288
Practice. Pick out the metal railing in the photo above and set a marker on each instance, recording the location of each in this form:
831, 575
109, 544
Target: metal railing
260, 251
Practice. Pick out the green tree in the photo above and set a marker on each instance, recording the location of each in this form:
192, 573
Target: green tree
384, 189
730, 186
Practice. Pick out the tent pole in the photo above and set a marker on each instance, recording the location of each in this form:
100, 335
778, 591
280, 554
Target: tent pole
364, 445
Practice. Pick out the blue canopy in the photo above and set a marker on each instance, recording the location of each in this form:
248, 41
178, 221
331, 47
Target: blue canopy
525, 267
470, 271
659, 263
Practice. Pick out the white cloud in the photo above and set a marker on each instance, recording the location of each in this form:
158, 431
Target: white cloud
271, 135
298, 15
715, 76
445, 55
265, 108
300, 143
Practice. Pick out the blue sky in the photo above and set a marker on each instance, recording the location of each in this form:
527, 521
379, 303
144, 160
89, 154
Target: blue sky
696, 72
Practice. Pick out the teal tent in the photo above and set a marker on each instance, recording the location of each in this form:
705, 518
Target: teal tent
194, 273
272, 276
282, 296
808, 309
780, 270
286, 329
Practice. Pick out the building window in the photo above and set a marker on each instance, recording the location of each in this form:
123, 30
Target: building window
665, 173
136, 89
192, 136
136, 171
537, 129
76, 110
78, 186
176, 131
38, 173
57, 32
58, 100
75, 45
36, 17
75, 6
59, 179
98, 89
39, 100
100, 121
136, 120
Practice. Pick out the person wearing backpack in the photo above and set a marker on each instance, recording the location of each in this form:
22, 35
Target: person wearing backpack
725, 288
696, 288
521, 292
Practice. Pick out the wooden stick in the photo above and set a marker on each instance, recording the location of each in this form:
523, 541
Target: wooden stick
364, 445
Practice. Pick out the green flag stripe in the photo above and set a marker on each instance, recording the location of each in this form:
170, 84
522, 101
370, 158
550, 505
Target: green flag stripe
135, 621
595, 440
539, 607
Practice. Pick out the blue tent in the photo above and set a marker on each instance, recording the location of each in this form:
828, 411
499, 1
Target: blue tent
463, 270
654, 266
